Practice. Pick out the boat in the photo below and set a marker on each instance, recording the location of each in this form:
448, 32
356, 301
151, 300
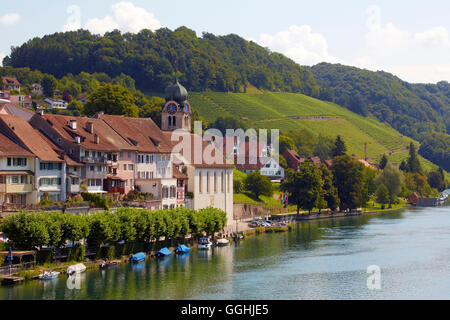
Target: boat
163, 252
222, 242
182, 249
138, 257
49, 275
76, 268
204, 244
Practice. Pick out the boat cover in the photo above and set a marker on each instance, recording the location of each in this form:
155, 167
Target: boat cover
182, 249
138, 257
164, 252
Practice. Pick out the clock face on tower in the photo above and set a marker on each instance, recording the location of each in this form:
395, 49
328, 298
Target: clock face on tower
172, 108
186, 109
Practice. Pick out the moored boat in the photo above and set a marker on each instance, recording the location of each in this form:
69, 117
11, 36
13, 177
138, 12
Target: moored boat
204, 244
163, 252
182, 249
138, 257
49, 275
222, 242
76, 268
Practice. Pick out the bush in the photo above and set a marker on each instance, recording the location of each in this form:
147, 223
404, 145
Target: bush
237, 186
44, 256
97, 200
77, 253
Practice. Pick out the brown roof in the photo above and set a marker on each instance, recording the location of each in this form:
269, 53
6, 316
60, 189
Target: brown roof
177, 174
192, 157
10, 81
292, 153
29, 137
16, 172
109, 140
10, 148
143, 133
13, 109
69, 161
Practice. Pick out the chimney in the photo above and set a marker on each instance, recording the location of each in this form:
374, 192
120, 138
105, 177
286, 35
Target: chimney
96, 139
90, 127
73, 124
77, 140
40, 112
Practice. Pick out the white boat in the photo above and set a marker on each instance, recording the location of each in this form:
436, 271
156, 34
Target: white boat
222, 242
76, 268
49, 275
204, 244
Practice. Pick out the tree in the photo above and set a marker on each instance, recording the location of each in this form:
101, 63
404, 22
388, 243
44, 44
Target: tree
348, 179
329, 191
49, 83
413, 163
286, 143
339, 147
25, 230
324, 147
417, 183
436, 179
258, 184
76, 107
111, 99
383, 162
392, 178
304, 186
382, 194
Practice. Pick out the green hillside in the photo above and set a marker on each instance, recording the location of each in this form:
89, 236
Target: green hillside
278, 111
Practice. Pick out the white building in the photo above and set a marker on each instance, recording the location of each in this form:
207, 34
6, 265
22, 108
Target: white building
55, 103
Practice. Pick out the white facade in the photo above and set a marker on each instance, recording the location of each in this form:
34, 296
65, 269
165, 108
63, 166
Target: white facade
272, 169
50, 178
211, 187
56, 103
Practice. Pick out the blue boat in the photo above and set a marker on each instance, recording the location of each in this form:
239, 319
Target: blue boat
182, 249
163, 252
138, 257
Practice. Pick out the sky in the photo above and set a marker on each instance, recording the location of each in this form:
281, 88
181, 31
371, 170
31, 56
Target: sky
408, 38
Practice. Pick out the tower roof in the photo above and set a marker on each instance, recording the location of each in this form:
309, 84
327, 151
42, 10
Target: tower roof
176, 92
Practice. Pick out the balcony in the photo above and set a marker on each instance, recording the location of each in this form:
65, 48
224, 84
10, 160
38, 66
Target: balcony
95, 174
19, 188
120, 190
93, 160
73, 188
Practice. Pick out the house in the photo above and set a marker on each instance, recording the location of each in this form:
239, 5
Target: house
11, 84
5, 96
22, 100
12, 109
36, 89
108, 160
49, 167
293, 159
413, 198
56, 103
17, 169
154, 166
267, 166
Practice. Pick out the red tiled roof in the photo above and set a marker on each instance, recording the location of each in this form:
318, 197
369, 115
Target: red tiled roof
109, 140
177, 174
10, 148
69, 161
30, 138
10, 81
143, 133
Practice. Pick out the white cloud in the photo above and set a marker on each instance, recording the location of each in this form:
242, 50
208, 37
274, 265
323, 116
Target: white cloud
73, 22
125, 17
420, 56
9, 19
2, 55
300, 44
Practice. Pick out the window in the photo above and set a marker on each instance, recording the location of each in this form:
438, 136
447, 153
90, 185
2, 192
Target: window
23, 179
98, 182
215, 182
9, 162
129, 155
207, 182
14, 179
92, 168
200, 182
222, 180
124, 167
130, 167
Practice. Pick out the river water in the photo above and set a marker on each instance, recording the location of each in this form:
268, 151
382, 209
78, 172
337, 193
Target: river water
317, 260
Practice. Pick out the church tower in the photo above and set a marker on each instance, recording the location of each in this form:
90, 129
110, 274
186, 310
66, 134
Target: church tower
176, 112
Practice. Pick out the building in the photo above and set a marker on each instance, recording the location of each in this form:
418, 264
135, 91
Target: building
5, 96
17, 168
293, 159
56, 103
22, 100
108, 160
49, 168
154, 172
36, 89
413, 198
11, 84
210, 182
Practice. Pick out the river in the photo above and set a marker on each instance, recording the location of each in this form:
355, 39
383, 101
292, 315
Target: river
317, 260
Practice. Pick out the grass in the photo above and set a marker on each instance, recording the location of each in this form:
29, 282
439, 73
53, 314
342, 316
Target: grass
277, 111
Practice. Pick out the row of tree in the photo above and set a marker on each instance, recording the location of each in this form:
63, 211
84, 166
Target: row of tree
29, 230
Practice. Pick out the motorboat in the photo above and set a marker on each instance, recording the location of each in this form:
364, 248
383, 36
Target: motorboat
222, 242
76, 268
182, 249
49, 275
163, 252
204, 244
138, 257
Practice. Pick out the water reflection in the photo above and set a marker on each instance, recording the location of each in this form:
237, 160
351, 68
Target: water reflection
324, 259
